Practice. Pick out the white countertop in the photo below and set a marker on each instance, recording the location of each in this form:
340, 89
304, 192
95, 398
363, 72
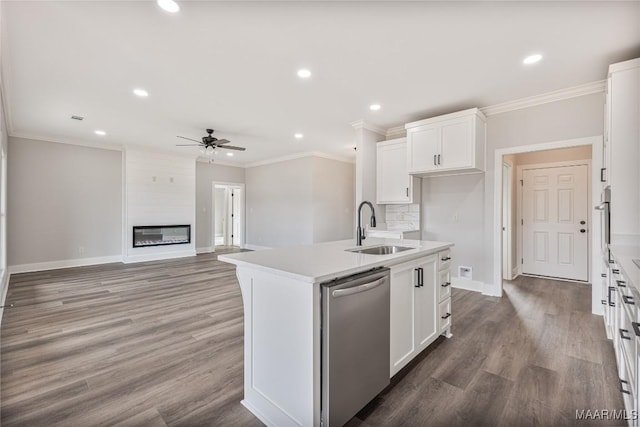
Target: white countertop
326, 261
624, 256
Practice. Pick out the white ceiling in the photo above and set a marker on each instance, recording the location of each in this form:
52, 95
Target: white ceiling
232, 66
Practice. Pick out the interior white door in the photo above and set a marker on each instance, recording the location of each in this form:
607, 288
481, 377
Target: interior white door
556, 222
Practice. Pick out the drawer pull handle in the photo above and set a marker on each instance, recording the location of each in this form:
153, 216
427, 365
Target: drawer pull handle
446, 259
621, 283
603, 275
604, 302
636, 328
444, 285
622, 334
446, 316
615, 271
622, 383
628, 300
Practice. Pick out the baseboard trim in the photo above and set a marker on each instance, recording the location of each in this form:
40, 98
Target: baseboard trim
255, 247
205, 250
66, 263
467, 284
4, 285
158, 256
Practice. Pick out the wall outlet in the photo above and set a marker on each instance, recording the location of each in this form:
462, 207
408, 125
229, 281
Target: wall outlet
465, 272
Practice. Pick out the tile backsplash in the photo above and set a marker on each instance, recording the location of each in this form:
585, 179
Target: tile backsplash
403, 217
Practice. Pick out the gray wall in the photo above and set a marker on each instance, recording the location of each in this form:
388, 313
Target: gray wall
298, 202
472, 196
279, 203
333, 200
66, 202
206, 173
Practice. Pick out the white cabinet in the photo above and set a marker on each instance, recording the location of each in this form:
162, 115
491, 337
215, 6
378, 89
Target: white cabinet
417, 304
622, 153
394, 185
447, 145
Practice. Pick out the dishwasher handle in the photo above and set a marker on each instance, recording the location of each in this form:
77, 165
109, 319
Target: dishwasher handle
357, 289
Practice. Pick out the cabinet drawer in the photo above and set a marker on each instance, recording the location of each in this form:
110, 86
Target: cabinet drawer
444, 315
444, 285
444, 259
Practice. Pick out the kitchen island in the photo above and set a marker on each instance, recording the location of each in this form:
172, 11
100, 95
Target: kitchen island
281, 292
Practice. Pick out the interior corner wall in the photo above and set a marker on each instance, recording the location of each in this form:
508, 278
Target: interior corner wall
333, 200
160, 189
278, 203
206, 174
65, 202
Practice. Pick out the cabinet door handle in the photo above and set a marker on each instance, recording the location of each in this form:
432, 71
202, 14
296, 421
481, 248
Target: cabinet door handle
445, 259
438, 158
602, 178
628, 300
417, 270
611, 303
421, 276
434, 160
621, 283
407, 191
446, 316
622, 334
444, 285
636, 328
622, 383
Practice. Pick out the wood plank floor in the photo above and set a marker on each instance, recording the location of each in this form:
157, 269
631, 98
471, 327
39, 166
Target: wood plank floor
160, 343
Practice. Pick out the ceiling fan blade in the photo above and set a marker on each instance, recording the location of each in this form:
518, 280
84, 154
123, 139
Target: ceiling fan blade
232, 147
188, 145
189, 139
222, 141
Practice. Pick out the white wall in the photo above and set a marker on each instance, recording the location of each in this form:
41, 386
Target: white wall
472, 196
160, 189
206, 174
65, 203
298, 202
333, 200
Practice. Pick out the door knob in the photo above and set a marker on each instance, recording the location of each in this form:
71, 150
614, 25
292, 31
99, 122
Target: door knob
582, 223
582, 230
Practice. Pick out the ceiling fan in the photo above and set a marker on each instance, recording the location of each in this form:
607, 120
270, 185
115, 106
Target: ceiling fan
209, 143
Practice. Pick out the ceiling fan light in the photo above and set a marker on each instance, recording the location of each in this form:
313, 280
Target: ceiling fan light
209, 150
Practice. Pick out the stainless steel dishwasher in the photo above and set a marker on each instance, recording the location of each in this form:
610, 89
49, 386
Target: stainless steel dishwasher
355, 344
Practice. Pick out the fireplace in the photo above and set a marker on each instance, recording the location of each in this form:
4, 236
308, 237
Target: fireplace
161, 235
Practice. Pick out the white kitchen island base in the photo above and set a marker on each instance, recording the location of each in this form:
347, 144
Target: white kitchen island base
282, 318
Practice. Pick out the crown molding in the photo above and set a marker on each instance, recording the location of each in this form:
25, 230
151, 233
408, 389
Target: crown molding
545, 98
396, 132
299, 156
361, 124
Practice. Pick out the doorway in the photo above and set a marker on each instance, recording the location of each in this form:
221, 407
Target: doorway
228, 215
594, 145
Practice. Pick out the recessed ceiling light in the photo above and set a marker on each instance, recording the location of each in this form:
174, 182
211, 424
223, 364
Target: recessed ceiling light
141, 93
298, 135
100, 132
532, 59
304, 73
230, 154
169, 5
375, 107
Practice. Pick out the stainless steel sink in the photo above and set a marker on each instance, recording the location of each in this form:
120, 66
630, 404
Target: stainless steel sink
380, 250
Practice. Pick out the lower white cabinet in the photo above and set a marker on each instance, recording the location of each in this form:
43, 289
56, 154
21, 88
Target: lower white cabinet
417, 303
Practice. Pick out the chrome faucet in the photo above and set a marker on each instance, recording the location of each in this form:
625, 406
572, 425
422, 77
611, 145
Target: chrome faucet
360, 231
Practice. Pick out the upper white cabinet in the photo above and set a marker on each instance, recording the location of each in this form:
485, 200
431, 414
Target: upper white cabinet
447, 145
394, 184
622, 148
